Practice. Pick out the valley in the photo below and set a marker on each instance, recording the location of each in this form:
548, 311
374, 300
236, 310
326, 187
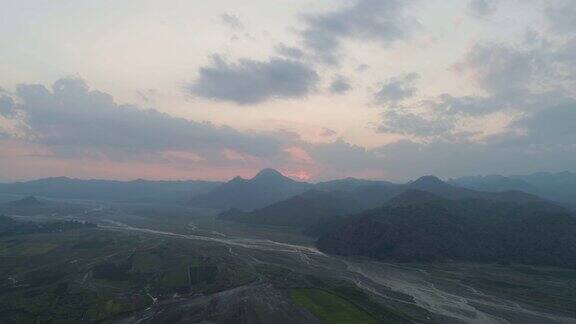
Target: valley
167, 240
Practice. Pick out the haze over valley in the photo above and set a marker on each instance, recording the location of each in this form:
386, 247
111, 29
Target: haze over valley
246, 245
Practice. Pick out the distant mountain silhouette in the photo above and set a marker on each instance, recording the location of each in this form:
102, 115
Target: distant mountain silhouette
560, 187
137, 190
29, 201
435, 185
423, 226
428, 181
316, 210
494, 183
349, 184
267, 187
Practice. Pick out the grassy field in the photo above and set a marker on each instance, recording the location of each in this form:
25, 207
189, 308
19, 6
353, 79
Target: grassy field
325, 296
30, 249
92, 275
330, 308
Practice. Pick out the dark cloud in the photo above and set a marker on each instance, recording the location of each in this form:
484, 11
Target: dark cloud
397, 89
327, 132
72, 119
554, 126
147, 95
482, 8
448, 158
525, 78
341, 155
504, 69
528, 79
449, 105
362, 67
536, 65
541, 141
561, 16
340, 85
381, 21
290, 51
530, 82
6, 106
252, 82
564, 61
232, 21
407, 123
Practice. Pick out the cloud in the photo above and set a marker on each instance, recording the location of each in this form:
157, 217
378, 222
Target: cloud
526, 99
481, 8
327, 132
407, 123
73, 125
290, 51
362, 68
397, 89
341, 155
340, 85
232, 21
560, 16
538, 64
503, 69
554, 126
448, 158
519, 81
148, 95
6, 106
253, 82
526, 77
446, 104
72, 119
380, 21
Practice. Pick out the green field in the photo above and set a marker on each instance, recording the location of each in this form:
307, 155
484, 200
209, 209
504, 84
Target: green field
330, 308
90, 275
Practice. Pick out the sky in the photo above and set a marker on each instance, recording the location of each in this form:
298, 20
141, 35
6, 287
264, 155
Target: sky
318, 89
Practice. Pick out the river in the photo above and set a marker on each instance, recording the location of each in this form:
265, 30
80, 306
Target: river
451, 300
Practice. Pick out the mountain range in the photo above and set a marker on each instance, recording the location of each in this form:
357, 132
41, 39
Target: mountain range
559, 187
270, 186
481, 219
426, 220
422, 226
109, 190
317, 206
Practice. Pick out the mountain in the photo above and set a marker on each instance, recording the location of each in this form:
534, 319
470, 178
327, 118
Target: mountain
443, 189
423, 226
349, 184
554, 186
137, 190
559, 187
493, 183
29, 201
267, 187
304, 210
317, 210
